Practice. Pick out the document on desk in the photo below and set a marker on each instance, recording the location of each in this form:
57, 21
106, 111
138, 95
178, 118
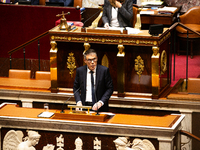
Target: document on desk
111, 28
46, 114
129, 29
167, 9
132, 30
146, 12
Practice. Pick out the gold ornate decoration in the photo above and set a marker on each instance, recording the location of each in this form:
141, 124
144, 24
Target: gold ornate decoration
121, 52
105, 61
96, 21
138, 22
155, 43
163, 62
52, 37
86, 46
86, 39
155, 51
105, 40
69, 38
71, 63
63, 21
139, 66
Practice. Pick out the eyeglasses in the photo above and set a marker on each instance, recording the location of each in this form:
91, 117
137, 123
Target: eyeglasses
91, 60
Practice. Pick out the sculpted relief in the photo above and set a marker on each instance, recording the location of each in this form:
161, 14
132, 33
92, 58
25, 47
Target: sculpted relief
122, 143
14, 140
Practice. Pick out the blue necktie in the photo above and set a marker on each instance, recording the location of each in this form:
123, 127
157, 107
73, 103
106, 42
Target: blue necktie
92, 81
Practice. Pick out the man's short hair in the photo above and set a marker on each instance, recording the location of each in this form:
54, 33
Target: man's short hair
89, 51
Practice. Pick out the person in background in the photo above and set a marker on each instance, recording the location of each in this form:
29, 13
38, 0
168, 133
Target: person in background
103, 85
117, 13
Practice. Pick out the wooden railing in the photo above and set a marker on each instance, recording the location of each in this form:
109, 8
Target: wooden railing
26, 44
172, 28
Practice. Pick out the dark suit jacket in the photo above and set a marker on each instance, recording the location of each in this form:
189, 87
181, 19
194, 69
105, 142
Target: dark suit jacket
125, 13
103, 88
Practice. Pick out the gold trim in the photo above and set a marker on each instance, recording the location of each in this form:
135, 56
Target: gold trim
155, 51
105, 40
155, 79
105, 61
71, 65
139, 66
121, 52
163, 62
86, 46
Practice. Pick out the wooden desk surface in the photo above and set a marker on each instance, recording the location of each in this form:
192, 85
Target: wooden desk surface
166, 121
24, 83
157, 18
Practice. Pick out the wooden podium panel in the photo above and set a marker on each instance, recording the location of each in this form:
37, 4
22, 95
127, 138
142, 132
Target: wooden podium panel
80, 116
121, 125
141, 120
137, 72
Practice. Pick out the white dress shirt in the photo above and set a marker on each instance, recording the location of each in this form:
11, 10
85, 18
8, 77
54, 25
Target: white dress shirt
89, 85
114, 21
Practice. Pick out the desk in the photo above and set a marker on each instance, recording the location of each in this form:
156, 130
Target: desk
25, 83
138, 70
156, 18
165, 132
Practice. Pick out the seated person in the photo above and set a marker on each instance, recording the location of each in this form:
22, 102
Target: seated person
117, 13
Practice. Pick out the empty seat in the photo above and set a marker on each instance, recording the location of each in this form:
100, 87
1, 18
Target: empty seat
20, 74
191, 20
42, 75
193, 85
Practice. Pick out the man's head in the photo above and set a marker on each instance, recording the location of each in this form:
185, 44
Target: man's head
90, 58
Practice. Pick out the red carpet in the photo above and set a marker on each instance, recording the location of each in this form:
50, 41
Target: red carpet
180, 67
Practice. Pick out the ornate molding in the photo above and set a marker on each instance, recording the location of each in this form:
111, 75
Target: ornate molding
104, 40
121, 52
71, 65
139, 66
163, 62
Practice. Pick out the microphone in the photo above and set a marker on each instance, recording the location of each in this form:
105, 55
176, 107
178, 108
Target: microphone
96, 102
62, 111
90, 18
82, 9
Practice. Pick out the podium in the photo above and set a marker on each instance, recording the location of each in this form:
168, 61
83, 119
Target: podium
162, 131
138, 63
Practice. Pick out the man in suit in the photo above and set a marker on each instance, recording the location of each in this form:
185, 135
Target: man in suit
93, 83
117, 13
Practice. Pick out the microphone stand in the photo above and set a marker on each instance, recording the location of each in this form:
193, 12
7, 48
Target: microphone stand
96, 103
62, 111
83, 28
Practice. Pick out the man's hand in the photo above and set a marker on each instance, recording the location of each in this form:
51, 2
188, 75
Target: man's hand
79, 104
106, 25
98, 104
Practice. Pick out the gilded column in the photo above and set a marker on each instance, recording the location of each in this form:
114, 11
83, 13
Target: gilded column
121, 71
53, 66
155, 72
